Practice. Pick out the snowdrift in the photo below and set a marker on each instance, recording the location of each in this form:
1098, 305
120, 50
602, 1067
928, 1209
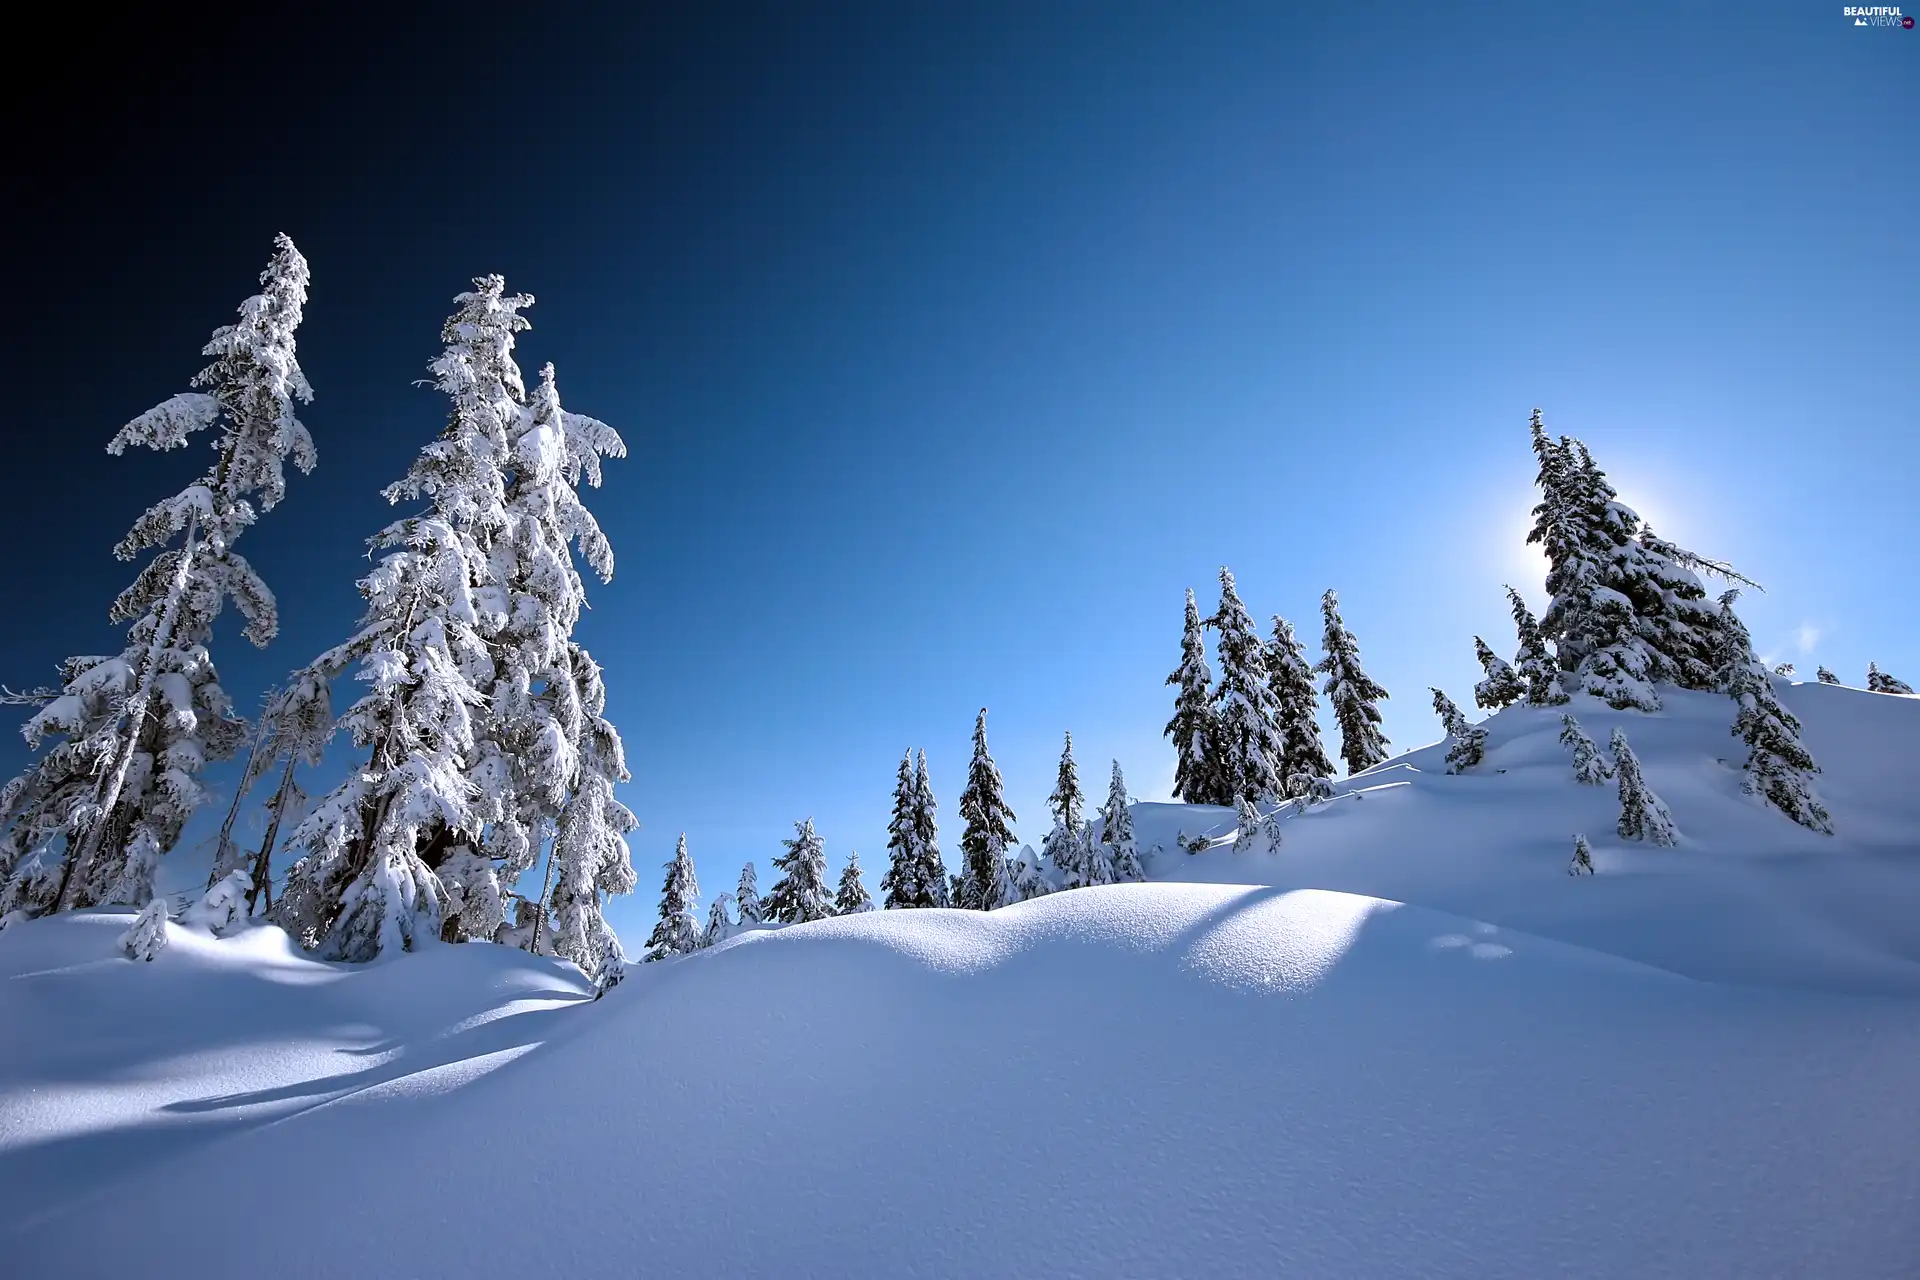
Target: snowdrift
1405, 1044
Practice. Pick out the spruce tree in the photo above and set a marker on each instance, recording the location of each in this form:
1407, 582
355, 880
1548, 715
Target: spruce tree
146, 937
1784, 669
1117, 851
88, 822
719, 926
1064, 846
747, 900
1029, 880
1351, 691
1469, 740
1643, 816
678, 931
1195, 727
988, 830
1501, 688
1778, 768
1582, 864
1534, 664
1247, 833
1590, 768
852, 897
1304, 766
801, 893
1879, 681
1252, 751
1827, 677
926, 830
904, 884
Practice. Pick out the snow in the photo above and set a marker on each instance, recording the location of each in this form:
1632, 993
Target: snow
1405, 1043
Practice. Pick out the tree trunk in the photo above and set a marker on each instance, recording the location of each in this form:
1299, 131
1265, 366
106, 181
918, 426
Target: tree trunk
262, 861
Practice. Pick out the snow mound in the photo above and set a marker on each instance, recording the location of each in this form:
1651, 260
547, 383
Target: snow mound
1138, 1080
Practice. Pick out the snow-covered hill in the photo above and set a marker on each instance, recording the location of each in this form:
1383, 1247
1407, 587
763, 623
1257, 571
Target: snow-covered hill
1405, 1044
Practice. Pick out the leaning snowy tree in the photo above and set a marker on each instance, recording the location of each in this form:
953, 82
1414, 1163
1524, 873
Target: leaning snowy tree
720, 926
89, 821
1352, 692
801, 893
1827, 677
1879, 681
852, 897
1590, 768
988, 830
1304, 767
678, 931
294, 729
1534, 665
1252, 751
1779, 768
1195, 728
1117, 849
1469, 740
1643, 816
1501, 687
1066, 846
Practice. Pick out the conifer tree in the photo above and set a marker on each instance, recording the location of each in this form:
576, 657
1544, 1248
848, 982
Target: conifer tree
852, 898
1029, 880
926, 831
1246, 825
146, 937
1827, 677
1251, 748
1195, 727
1784, 669
88, 822
1351, 691
747, 900
1534, 664
1117, 851
988, 830
1582, 864
1590, 768
1469, 740
1879, 681
1304, 766
1643, 816
294, 730
1501, 688
678, 931
1778, 768
903, 884
719, 926
1064, 846
801, 893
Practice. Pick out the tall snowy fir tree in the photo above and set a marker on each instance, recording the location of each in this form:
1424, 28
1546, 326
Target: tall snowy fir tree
1195, 728
1501, 687
1590, 768
1779, 767
1066, 845
1643, 815
915, 875
926, 832
1534, 664
1351, 691
1826, 677
801, 892
89, 821
987, 831
852, 897
1117, 848
1469, 741
746, 898
1879, 681
1304, 766
1252, 751
678, 931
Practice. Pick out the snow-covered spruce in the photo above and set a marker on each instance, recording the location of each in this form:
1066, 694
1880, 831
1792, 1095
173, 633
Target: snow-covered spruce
1779, 769
1590, 768
801, 893
1501, 687
1879, 681
720, 925
294, 730
1117, 849
1643, 816
1582, 863
678, 930
89, 820
1252, 751
1784, 669
1469, 740
1351, 691
1291, 675
222, 906
915, 877
1826, 677
986, 882
851, 898
1066, 846
1247, 834
746, 897
1194, 729
1029, 878
1534, 664
146, 937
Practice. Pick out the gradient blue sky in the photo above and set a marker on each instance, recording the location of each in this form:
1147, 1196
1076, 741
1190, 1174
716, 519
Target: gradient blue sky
953, 342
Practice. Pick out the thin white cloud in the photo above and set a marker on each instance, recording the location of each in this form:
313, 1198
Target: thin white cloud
1806, 636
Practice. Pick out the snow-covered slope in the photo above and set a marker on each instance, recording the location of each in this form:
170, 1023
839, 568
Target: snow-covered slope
1301, 1077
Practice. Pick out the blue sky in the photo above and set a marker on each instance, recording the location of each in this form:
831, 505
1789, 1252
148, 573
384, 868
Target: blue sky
952, 346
